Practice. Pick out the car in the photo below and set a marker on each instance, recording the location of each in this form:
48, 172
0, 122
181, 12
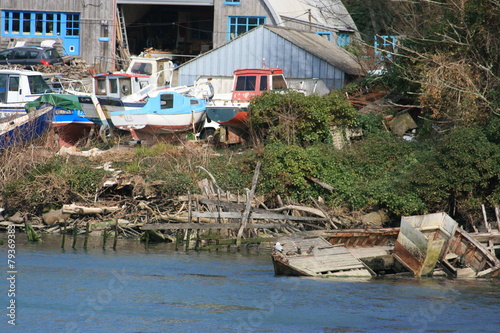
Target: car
30, 56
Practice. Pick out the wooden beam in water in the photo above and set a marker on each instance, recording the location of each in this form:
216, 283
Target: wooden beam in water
208, 226
257, 216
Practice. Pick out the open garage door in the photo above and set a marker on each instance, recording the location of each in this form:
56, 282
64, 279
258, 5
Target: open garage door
181, 30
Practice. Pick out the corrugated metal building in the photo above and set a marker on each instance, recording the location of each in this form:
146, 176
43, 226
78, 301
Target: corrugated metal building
102, 32
301, 55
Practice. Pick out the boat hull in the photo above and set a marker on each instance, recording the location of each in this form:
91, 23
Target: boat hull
70, 127
233, 115
108, 105
157, 124
24, 128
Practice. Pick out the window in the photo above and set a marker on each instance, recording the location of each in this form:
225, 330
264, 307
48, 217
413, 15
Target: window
343, 39
101, 86
113, 85
246, 83
279, 82
40, 24
38, 84
125, 86
14, 83
7, 54
231, 2
241, 24
167, 101
72, 25
326, 35
142, 68
263, 83
387, 43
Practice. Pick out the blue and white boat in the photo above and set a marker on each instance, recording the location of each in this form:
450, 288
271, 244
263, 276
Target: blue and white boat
17, 124
119, 91
69, 121
164, 112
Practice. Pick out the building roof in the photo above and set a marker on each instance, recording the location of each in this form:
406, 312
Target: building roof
321, 48
301, 55
328, 13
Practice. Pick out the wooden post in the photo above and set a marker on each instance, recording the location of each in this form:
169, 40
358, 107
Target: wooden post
104, 238
87, 231
116, 235
177, 240
198, 241
486, 224
64, 235
248, 206
189, 207
75, 235
188, 236
497, 214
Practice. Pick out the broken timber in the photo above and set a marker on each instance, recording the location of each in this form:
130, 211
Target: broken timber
314, 256
207, 226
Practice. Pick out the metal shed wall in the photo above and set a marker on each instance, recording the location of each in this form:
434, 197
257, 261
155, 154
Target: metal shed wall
254, 49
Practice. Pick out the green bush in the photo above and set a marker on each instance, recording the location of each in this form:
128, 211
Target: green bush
293, 118
460, 173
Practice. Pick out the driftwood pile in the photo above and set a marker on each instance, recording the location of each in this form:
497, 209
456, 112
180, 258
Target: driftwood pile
233, 216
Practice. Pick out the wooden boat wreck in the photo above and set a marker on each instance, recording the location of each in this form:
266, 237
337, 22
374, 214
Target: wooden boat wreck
372, 246
435, 240
314, 256
423, 246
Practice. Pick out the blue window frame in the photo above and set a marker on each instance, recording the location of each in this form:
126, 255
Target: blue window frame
326, 35
387, 43
231, 2
343, 39
39, 24
241, 24
65, 26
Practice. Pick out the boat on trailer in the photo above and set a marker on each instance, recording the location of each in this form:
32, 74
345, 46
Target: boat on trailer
164, 113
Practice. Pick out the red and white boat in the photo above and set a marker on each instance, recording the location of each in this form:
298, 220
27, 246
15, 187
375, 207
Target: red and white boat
247, 84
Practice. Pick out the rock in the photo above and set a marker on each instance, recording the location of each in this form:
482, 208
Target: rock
55, 216
16, 218
375, 219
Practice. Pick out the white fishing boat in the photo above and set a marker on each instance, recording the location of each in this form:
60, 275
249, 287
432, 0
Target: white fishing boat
18, 87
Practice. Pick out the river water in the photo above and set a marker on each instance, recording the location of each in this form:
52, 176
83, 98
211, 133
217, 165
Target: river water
161, 289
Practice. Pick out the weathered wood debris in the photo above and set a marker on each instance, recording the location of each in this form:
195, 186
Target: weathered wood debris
215, 218
424, 245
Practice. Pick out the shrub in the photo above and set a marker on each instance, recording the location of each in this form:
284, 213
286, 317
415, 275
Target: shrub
293, 118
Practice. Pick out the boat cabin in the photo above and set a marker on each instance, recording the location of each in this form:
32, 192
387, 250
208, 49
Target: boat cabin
17, 87
142, 72
119, 85
254, 82
160, 68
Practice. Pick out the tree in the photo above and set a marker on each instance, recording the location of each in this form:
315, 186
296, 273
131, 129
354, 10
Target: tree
449, 54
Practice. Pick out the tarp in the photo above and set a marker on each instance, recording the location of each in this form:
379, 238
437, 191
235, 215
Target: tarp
63, 101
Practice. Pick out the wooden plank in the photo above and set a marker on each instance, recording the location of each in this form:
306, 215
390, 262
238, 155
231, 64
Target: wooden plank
257, 216
207, 226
